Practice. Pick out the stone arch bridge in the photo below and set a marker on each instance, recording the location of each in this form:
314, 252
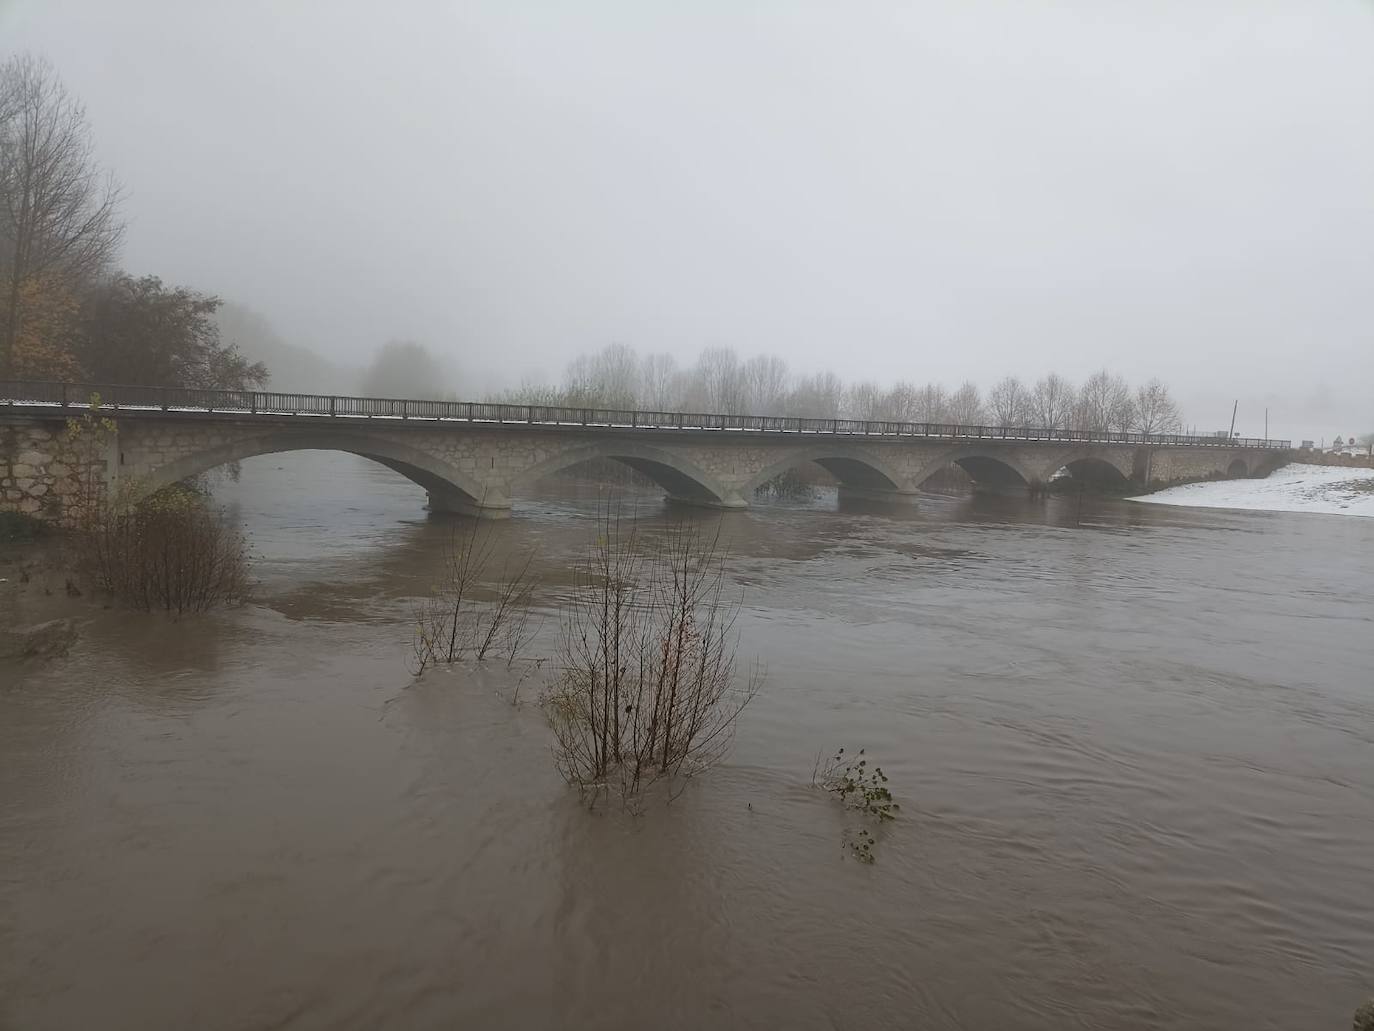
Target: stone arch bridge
472, 458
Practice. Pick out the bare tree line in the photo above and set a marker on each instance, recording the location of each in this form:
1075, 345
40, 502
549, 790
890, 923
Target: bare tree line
719, 381
65, 312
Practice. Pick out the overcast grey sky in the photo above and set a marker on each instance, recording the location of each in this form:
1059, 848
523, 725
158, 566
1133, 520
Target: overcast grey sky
928, 190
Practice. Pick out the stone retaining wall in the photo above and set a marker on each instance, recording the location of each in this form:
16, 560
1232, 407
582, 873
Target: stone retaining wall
1309, 457
41, 474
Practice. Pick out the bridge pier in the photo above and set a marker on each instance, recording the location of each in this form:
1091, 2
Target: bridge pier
887, 495
729, 504
1004, 490
455, 503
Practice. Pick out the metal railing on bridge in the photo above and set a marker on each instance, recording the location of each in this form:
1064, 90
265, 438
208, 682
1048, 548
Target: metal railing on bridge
136, 400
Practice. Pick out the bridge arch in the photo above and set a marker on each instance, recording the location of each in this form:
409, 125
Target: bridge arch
1093, 467
852, 466
989, 467
448, 487
679, 476
1238, 468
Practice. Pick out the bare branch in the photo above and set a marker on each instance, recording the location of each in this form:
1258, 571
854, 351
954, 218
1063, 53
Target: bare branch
58, 210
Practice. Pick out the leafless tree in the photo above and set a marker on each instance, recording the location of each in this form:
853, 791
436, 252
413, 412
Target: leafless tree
866, 400
1103, 403
900, 403
765, 380
1155, 410
722, 381
58, 210
816, 397
1122, 415
659, 382
1010, 403
932, 404
1052, 402
966, 405
610, 378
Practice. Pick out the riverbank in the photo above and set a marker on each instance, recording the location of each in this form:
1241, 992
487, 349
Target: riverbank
1294, 488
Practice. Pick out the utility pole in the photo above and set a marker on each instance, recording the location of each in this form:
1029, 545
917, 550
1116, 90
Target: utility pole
1266, 423
1232, 433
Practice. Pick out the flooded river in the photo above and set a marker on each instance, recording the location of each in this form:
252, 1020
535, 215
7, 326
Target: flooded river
1134, 748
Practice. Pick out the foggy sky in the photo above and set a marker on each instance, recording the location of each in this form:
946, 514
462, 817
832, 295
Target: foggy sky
938, 190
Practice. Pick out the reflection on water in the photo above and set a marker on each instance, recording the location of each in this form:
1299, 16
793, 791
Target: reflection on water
1134, 747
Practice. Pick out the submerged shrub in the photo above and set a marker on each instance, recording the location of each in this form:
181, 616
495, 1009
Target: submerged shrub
647, 685
452, 624
169, 552
788, 485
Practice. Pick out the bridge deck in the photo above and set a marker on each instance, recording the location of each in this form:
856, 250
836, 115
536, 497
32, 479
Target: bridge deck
51, 398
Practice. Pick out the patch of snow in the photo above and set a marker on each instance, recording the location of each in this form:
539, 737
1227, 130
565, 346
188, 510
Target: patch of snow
1294, 488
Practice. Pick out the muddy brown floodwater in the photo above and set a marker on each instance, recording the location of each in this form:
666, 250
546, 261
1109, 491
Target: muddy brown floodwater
1135, 758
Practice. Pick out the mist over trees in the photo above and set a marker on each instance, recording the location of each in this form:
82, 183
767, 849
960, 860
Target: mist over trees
721, 382
404, 368
66, 311
140, 331
291, 367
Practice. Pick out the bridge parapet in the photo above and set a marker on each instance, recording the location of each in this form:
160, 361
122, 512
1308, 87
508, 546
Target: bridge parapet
29, 395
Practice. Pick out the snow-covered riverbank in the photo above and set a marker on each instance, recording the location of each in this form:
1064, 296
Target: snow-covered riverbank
1294, 488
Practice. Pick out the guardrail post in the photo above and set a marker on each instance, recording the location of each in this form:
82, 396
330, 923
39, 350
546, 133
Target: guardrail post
331, 407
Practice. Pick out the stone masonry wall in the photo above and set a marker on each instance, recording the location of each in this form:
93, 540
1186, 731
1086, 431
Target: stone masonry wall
1168, 465
41, 474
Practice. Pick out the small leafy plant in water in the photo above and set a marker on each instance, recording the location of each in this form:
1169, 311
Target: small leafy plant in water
860, 844
862, 788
